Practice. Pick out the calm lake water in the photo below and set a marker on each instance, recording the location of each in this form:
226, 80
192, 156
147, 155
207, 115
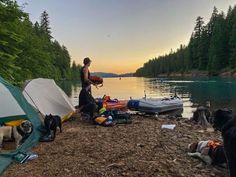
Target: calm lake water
220, 92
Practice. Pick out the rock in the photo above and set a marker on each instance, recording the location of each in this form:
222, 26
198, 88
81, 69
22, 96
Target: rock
117, 165
210, 130
67, 170
91, 162
200, 131
140, 145
212, 174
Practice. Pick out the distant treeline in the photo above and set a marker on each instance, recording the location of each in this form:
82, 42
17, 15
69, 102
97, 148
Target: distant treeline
28, 50
103, 74
212, 48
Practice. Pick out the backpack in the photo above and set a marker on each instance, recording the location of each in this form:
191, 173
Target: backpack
119, 117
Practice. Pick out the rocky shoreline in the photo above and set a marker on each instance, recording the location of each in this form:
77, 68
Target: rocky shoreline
195, 73
138, 149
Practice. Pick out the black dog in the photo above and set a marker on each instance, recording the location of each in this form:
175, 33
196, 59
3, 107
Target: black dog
51, 122
225, 122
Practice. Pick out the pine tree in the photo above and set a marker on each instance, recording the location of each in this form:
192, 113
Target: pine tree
197, 54
203, 50
232, 45
217, 58
44, 24
210, 48
211, 23
75, 71
9, 38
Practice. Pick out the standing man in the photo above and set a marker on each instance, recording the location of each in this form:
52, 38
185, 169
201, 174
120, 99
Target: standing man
85, 74
87, 103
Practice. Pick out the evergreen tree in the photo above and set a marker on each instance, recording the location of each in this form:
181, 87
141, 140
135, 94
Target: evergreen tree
75, 71
232, 44
217, 58
190, 53
197, 55
231, 24
26, 49
203, 50
44, 23
210, 48
211, 23
9, 38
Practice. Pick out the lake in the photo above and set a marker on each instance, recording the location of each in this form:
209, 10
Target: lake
221, 92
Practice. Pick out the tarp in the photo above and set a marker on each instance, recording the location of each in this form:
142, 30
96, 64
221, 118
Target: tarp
14, 106
47, 97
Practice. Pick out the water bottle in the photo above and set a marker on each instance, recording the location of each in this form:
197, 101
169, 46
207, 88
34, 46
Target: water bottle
109, 119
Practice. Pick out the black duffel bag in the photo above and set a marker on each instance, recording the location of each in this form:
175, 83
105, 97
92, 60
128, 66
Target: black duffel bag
121, 117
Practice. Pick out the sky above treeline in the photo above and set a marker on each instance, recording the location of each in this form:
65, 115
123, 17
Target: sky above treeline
120, 35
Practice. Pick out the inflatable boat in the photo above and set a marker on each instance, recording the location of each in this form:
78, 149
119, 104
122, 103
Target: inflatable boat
156, 105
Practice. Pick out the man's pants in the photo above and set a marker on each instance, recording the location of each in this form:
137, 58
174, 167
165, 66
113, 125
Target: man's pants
90, 109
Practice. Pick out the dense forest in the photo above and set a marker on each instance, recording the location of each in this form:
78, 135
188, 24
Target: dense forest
28, 50
212, 48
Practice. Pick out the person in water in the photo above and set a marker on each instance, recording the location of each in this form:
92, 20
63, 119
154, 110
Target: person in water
87, 103
85, 74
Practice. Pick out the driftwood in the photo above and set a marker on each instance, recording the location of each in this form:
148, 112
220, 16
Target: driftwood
202, 115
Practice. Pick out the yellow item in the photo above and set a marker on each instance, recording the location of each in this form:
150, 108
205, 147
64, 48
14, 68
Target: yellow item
104, 105
66, 117
100, 120
14, 122
102, 110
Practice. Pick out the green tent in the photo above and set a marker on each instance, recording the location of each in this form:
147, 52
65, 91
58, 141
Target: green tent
13, 106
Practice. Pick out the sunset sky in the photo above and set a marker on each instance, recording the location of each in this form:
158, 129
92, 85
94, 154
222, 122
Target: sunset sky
120, 35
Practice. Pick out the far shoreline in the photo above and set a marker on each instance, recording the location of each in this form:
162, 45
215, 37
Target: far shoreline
195, 73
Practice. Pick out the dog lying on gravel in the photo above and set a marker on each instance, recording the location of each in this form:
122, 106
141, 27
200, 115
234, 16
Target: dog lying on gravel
211, 152
224, 121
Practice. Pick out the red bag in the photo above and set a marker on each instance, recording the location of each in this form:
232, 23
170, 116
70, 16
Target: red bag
96, 80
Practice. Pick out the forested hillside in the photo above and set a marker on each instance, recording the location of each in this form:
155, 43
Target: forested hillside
212, 48
28, 50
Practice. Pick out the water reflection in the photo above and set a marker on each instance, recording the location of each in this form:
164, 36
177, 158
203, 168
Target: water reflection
69, 87
220, 92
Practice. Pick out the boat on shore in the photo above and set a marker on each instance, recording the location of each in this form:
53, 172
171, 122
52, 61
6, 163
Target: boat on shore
156, 105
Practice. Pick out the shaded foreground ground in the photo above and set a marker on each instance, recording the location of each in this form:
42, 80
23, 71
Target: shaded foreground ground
137, 149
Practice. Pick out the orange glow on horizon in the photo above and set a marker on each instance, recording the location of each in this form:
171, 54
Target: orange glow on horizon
117, 67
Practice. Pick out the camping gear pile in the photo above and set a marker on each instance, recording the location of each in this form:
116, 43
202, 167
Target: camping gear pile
116, 109
111, 111
110, 104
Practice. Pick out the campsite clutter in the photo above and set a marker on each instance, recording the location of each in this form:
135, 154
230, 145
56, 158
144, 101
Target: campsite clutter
112, 111
14, 111
34, 115
29, 116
